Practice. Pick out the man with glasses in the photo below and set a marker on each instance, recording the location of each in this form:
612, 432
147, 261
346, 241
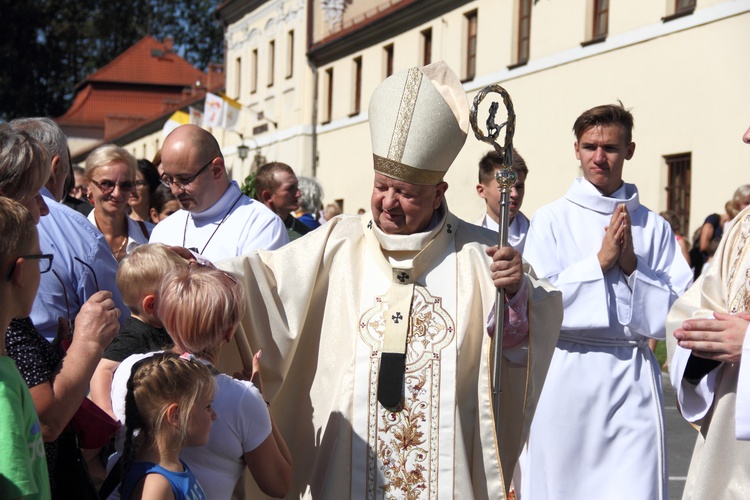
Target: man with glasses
217, 221
83, 261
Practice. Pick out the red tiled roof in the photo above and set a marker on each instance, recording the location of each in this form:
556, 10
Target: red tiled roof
141, 84
95, 103
151, 62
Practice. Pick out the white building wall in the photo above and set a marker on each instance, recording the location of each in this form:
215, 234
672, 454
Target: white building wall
686, 81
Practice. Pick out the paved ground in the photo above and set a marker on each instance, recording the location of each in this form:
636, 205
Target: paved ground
680, 441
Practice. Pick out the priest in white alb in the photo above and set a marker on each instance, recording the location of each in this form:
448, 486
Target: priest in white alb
599, 427
374, 329
707, 338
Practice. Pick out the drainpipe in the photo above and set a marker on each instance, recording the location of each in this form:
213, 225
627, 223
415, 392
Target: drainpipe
314, 69
314, 120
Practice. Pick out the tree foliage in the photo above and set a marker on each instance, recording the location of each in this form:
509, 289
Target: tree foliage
48, 46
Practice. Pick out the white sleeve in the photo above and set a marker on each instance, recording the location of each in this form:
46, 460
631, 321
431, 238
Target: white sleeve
252, 409
694, 400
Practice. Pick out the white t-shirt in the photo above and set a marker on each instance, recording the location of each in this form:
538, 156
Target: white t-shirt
242, 424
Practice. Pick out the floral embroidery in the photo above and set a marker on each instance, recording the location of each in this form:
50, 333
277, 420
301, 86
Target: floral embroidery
403, 446
402, 451
739, 298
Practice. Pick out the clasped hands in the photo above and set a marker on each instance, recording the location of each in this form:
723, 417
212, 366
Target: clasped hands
617, 245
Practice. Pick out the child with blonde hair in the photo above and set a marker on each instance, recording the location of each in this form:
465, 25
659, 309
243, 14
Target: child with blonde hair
139, 276
201, 308
168, 404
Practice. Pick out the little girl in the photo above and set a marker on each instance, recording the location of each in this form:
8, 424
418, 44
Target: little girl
168, 403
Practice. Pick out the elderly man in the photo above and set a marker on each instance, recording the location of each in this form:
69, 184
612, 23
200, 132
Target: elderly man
276, 186
599, 427
217, 221
374, 330
709, 338
83, 263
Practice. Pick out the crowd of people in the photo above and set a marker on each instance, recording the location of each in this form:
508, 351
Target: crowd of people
143, 300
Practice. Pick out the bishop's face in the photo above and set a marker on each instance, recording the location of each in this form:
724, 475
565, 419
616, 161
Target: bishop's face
399, 207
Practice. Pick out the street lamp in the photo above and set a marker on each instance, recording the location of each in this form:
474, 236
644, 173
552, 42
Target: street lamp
242, 151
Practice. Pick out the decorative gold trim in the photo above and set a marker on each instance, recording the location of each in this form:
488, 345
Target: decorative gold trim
405, 173
405, 114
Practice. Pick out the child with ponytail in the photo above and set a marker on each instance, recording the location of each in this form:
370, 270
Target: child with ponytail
167, 407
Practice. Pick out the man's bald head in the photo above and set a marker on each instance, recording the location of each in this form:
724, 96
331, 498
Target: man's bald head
191, 137
191, 154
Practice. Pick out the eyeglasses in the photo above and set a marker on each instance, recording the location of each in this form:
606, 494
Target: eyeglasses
106, 186
168, 180
45, 263
140, 183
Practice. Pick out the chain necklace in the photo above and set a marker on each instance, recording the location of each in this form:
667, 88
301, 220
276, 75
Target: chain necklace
124, 241
119, 250
184, 232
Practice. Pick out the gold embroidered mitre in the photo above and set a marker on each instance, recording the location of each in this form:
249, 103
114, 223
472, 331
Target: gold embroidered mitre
419, 119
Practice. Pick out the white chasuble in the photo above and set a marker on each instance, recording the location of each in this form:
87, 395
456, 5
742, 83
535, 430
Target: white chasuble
319, 309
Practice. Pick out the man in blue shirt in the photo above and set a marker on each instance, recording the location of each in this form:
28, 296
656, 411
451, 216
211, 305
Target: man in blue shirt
83, 262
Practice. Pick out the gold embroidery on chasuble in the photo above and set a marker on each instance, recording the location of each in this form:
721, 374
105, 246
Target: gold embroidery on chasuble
403, 446
739, 290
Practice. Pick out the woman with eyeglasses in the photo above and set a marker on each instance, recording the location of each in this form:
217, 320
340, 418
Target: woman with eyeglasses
110, 176
146, 182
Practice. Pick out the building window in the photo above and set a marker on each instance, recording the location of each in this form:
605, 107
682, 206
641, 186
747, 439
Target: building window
684, 6
328, 96
678, 188
290, 54
524, 31
426, 47
388, 50
271, 61
471, 45
254, 74
601, 19
238, 77
357, 96
681, 8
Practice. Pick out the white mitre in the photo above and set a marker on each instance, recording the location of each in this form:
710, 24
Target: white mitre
419, 119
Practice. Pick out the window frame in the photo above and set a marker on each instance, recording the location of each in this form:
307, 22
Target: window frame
471, 20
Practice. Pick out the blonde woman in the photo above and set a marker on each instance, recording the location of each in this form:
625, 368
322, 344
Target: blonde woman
110, 178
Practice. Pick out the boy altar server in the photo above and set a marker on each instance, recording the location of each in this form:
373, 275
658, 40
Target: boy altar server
599, 426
